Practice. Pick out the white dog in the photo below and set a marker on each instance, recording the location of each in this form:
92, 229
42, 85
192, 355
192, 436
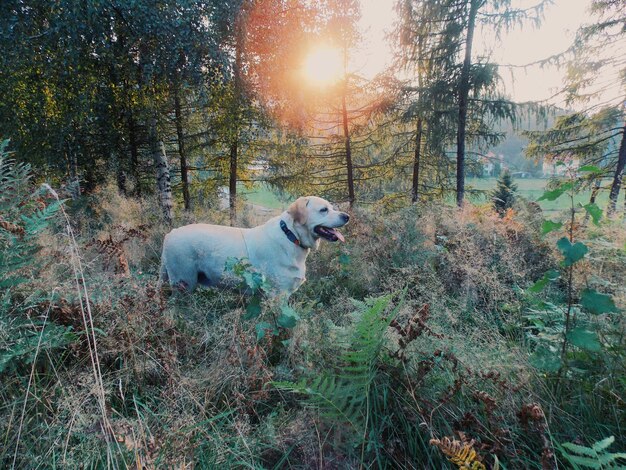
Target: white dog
197, 253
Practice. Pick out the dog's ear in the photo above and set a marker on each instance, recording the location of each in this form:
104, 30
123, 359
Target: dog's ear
298, 210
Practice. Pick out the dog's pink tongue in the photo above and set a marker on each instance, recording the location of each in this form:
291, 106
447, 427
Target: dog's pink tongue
339, 235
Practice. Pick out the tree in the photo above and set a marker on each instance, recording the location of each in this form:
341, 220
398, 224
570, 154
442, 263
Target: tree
263, 40
426, 50
598, 54
579, 137
595, 82
93, 84
342, 27
439, 36
503, 195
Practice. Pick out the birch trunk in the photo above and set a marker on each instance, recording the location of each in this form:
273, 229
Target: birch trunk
164, 184
184, 170
232, 183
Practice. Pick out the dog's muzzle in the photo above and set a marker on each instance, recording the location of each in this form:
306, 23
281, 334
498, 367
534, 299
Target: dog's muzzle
331, 233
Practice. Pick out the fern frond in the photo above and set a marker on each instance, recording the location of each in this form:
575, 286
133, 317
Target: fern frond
333, 398
38, 220
21, 219
597, 456
580, 450
11, 227
343, 395
462, 454
604, 444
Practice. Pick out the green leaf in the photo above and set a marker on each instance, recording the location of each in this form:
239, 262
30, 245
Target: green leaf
261, 328
545, 359
597, 303
590, 169
551, 275
548, 226
556, 192
587, 462
604, 444
594, 211
344, 259
288, 317
253, 309
254, 280
571, 253
584, 339
578, 449
234, 265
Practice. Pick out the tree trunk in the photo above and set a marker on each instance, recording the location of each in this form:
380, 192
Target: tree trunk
134, 152
464, 88
618, 175
232, 183
346, 135
234, 144
121, 175
164, 184
594, 191
184, 175
592, 199
72, 166
416, 162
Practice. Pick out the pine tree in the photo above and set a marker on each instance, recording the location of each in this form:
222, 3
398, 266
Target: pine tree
503, 196
457, 98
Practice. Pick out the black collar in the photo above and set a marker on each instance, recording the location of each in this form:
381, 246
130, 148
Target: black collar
290, 235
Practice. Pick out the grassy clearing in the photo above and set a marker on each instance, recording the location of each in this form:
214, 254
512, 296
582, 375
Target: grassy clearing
261, 194
531, 189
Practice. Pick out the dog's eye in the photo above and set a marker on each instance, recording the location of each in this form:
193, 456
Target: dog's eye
324, 209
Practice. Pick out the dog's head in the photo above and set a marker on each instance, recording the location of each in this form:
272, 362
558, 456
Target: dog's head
315, 219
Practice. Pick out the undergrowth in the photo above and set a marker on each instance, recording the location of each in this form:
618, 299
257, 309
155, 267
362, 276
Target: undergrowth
410, 346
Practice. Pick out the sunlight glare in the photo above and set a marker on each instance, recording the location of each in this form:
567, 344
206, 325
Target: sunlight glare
323, 66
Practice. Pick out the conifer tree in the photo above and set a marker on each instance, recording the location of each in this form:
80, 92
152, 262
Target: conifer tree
456, 94
503, 196
596, 84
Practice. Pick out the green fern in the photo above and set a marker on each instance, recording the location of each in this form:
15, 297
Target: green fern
343, 396
334, 398
22, 219
597, 456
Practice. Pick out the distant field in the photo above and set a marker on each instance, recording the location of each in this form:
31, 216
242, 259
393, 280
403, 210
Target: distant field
262, 195
531, 189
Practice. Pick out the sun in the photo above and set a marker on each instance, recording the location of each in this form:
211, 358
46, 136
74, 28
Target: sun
323, 66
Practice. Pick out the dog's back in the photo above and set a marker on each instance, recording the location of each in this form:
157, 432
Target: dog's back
197, 253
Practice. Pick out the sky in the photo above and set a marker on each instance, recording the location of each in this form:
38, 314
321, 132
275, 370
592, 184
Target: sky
520, 46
